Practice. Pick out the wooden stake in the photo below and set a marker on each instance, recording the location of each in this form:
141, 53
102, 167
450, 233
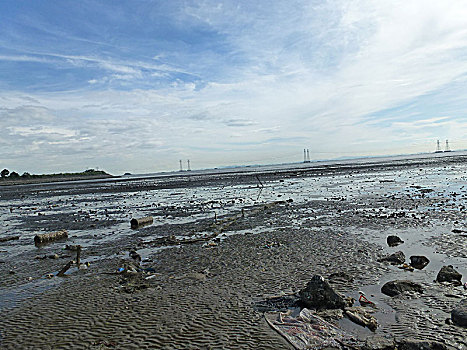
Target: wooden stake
61, 273
78, 255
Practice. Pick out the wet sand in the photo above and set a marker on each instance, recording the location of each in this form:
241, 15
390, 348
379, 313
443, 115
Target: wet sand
296, 223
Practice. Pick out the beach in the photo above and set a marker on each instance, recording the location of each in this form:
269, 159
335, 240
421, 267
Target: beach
221, 245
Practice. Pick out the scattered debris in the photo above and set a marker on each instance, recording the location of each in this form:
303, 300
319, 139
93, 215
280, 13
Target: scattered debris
49, 237
364, 301
397, 287
331, 314
50, 256
406, 267
361, 316
272, 244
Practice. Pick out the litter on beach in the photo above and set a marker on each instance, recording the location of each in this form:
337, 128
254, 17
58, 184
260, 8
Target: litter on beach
309, 331
365, 302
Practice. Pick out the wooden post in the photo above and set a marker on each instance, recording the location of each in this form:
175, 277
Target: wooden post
61, 273
78, 255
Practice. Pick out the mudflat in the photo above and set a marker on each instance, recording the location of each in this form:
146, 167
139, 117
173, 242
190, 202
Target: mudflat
221, 244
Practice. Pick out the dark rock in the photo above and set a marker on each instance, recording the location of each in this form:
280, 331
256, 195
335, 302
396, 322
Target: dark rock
449, 274
459, 314
394, 288
394, 241
419, 261
395, 258
320, 295
412, 344
379, 343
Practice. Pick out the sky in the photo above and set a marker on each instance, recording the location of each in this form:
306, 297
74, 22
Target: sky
135, 86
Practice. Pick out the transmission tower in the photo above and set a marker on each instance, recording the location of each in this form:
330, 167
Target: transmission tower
438, 147
447, 149
306, 155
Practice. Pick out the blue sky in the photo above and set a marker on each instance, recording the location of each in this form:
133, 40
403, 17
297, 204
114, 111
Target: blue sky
137, 85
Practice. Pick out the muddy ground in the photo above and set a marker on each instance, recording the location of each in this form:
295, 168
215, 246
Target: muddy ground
271, 230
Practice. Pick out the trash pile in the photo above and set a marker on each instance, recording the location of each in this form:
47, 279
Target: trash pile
320, 305
309, 331
308, 319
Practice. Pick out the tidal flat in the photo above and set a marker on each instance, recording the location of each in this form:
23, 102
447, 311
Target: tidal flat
221, 244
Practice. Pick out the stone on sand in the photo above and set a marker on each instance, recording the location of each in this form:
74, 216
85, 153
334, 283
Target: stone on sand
449, 274
395, 258
394, 288
320, 295
419, 261
459, 314
394, 241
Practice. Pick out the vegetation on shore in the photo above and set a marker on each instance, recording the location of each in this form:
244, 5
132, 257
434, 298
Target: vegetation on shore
7, 175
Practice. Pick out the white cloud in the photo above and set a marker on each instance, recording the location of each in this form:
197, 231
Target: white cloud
293, 75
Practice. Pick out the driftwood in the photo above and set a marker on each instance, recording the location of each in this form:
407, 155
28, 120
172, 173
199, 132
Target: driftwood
6, 239
65, 268
135, 223
49, 237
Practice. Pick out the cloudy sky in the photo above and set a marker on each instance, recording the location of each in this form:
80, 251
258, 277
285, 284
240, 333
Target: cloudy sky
137, 85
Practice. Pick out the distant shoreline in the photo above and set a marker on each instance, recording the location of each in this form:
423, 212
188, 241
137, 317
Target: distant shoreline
52, 178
